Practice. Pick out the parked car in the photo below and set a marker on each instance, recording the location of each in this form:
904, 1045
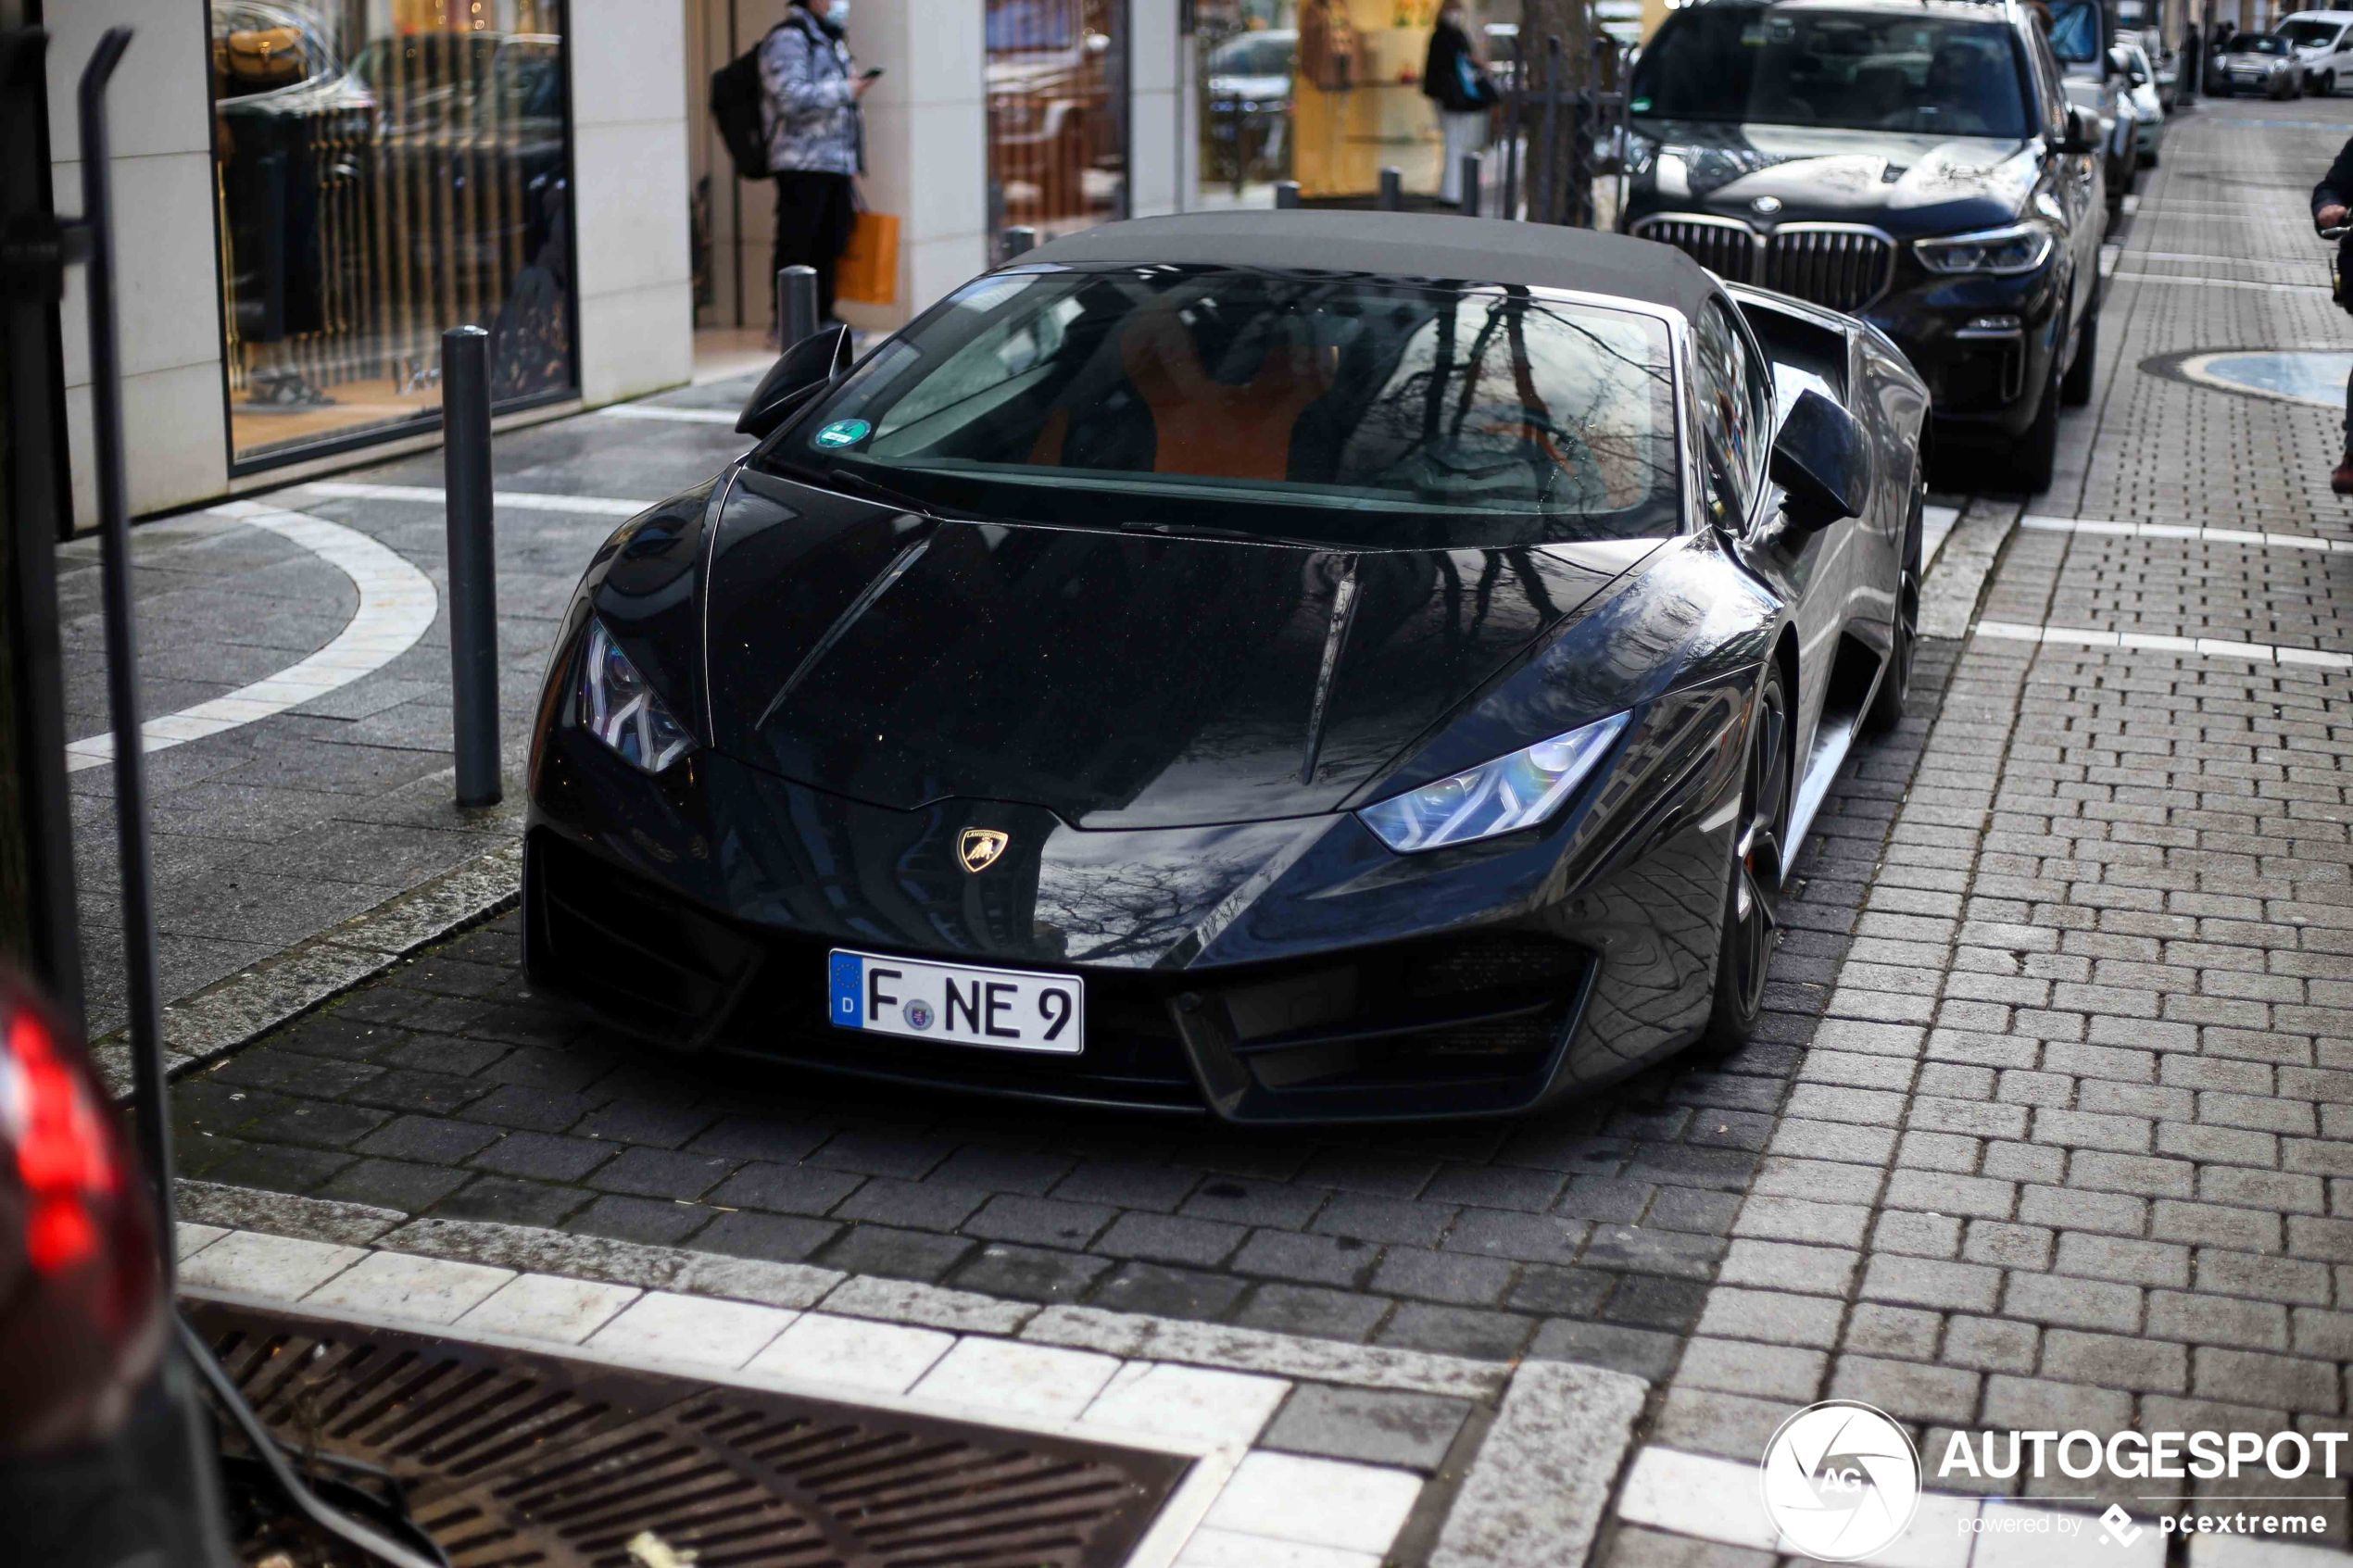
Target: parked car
2082, 41
2323, 45
2148, 113
2134, 21
1103, 715
2257, 62
1913, 164
106, 1453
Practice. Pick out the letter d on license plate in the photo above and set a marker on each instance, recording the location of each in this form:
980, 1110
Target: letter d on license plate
1010, 1010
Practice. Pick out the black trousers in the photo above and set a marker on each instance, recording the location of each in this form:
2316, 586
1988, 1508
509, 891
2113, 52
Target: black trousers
814, 216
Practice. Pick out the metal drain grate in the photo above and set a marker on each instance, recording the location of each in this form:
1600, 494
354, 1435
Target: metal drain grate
511, 1459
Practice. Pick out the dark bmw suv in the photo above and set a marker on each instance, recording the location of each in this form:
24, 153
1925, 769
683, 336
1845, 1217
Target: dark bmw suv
1912, 162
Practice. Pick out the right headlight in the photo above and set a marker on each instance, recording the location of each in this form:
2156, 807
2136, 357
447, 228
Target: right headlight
618, 707
2006, 252
1504, 795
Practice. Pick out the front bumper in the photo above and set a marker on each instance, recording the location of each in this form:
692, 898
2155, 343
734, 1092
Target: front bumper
1274, 971
1983, 344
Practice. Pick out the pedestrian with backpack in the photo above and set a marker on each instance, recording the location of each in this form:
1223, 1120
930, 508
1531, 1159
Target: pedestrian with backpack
809, 135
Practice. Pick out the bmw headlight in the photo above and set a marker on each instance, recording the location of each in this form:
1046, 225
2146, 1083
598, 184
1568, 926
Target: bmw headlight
2021, 247
621, 708
1504, 795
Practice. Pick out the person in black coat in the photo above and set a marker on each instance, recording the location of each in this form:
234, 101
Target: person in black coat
2332, 205
1455, 80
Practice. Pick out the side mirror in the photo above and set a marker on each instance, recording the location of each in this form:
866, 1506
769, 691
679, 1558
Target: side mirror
799, 373
1820, 463
2080, 134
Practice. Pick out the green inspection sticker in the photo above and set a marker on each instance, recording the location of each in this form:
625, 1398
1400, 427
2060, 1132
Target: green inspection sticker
843, 432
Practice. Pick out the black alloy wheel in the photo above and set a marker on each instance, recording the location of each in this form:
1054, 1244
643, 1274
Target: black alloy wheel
1894, 694
1744, 946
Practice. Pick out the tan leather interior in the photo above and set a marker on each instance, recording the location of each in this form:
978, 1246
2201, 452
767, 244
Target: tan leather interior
1199, 425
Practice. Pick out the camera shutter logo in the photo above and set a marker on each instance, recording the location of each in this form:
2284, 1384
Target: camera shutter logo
1840, 1480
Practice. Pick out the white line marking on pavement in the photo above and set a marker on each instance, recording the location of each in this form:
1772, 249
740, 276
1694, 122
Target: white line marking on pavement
2204, 647
2177, 531
2110, 257
1716, 1499
682, 416
518, 500
397, 605
2216, 282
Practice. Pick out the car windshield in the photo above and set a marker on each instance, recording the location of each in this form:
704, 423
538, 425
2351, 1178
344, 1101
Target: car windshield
2311, 35
2257, 43
1356, 411
1870, 71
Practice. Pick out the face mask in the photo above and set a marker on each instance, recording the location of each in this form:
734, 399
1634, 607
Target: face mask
837, 13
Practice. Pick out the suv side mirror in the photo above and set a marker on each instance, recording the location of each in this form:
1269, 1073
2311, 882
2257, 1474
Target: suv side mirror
1820, 463
799, 373
2080, 134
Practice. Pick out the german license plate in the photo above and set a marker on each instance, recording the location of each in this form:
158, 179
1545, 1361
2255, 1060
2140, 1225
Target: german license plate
1010, 1010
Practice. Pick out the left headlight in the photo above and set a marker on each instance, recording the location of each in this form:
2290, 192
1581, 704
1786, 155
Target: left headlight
2021, 247
1504, 795
621, 708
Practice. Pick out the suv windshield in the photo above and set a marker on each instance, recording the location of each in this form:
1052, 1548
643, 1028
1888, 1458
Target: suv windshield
2311, 35
2255, 43
1356, 411
1865, 70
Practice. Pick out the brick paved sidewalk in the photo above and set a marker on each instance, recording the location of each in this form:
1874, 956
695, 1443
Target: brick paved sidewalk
2069, 1150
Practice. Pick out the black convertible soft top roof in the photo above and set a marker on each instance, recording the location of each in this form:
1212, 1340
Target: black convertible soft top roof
1398, 244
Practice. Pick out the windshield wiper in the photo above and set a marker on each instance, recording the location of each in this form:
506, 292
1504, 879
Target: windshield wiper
1211, 531
873, 490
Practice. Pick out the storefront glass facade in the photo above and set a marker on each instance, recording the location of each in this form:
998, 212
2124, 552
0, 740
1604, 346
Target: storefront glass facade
1328, 92
385, 170
1058, 110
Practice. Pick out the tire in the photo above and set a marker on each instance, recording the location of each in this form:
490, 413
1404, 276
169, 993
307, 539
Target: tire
1745, 942
2036, 454
2075, 391
1894, 694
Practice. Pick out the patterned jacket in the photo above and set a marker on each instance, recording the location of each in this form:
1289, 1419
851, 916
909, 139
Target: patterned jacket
810, 112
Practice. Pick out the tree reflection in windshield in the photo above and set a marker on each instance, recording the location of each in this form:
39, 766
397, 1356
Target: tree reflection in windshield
1341, 409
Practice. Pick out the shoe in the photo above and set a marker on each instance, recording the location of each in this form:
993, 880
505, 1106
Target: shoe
2342, 480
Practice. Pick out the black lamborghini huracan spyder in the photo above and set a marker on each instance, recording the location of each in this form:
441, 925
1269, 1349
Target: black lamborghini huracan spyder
1306, 666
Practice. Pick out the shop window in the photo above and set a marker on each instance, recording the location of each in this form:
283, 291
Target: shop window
384, 171
1057, 83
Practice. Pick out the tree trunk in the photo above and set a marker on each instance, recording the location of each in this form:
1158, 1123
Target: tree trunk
1558, 181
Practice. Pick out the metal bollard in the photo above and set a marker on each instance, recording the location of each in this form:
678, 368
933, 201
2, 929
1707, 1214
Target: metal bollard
1392, 190
1472, 175
1286, 195
1019, 240
796, 303
473, 599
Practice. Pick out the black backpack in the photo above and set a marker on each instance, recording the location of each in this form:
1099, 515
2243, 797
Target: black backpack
737, 100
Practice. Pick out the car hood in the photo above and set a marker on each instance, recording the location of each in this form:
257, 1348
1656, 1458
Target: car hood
1118, 680
1905, 184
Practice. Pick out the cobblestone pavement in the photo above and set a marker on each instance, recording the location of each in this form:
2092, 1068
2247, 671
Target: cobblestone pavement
2069, 1150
